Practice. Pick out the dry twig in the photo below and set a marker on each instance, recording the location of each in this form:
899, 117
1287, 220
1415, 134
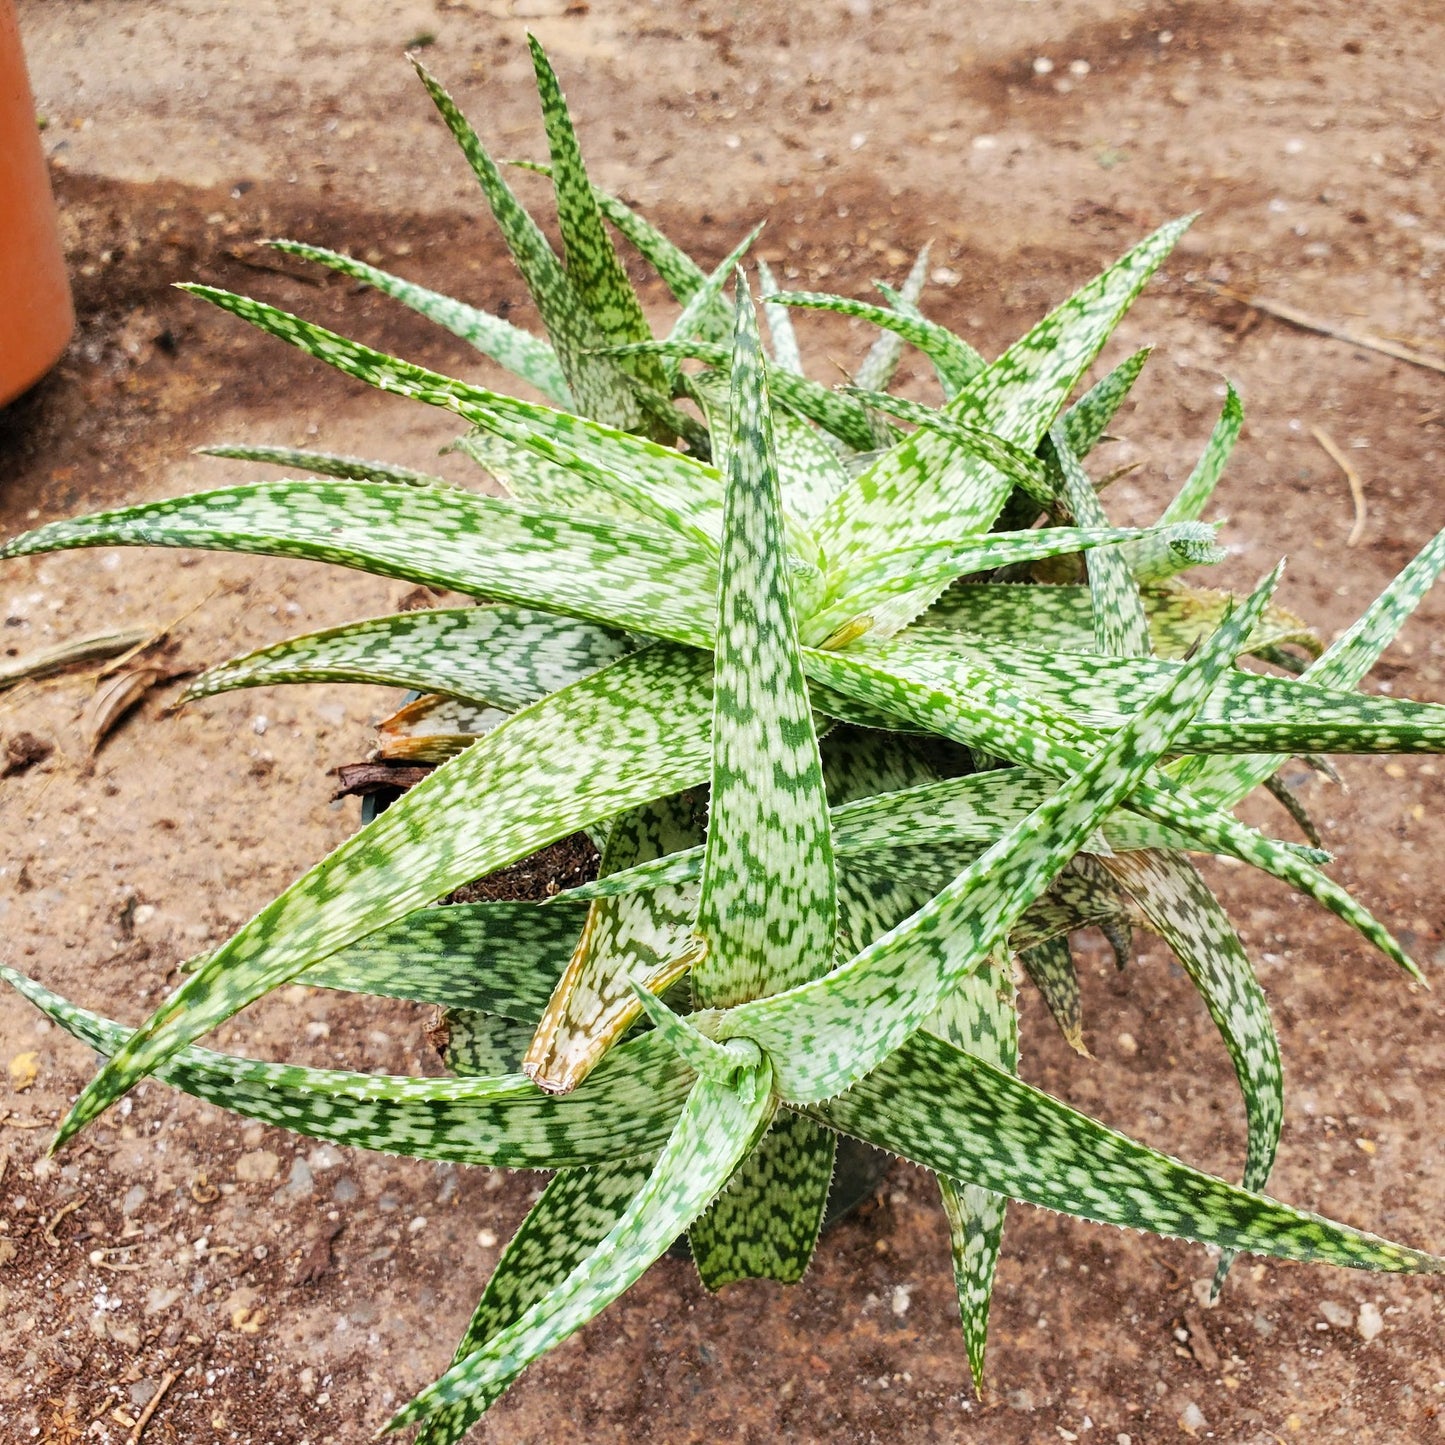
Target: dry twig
1357, 490
1306, 322
167, 1380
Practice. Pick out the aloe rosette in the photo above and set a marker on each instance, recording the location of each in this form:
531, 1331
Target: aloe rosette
720, 608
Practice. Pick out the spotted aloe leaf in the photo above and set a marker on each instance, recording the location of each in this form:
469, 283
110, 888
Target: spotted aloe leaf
1344, 665
1087, 420
631, 577
1183, 911
926, 487
1082, 896
878, 367
1050, 967
640, 938
630, 732
957, 362
672, 478
929, 818
767, 911
326, 464
592, 264
782, 338
628, 1108
1178, 616
765, 1223
1022, 468
967, 703
1148, 562
679, 272
838, 414
809, 471
960, 1116
483, 1045
596, 383
575, 1213
981, 1017
1121, 628
508, 657
1194, 496
825, 1035
1248, 711
502, 958
524, 355
867, 588
717, 1129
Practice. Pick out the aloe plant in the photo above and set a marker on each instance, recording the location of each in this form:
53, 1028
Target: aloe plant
721, 608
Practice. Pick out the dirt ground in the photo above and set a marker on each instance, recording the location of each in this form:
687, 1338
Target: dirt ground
254, 1287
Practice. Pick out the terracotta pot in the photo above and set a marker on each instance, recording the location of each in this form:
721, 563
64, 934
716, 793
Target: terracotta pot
36, 317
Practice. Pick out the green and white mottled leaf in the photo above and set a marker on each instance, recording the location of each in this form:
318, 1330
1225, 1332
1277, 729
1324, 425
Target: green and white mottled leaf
1179, 615
499, 958
960, 1116
592, 264
325, 464
1082, 896
531, 477
809, 471
1050, 967
968, 704
1343, 666
981, 1017
782, 339
575, 1213
926, 487
825, 1035
1182, 910
869, 587
597, 384
630, 732
641, 938
1247, 712
765, 1223
483, 1045
521, 353
718, 1127
1194, 496
634, 577
839, 414
957, 362
1022, 468
876, 371
1121, 628
1087, 420
767, 910
508, 657
627, 1108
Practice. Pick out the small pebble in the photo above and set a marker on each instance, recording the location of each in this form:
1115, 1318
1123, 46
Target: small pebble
1368, 1322
487, 1239
1191, 1418
1337, 1314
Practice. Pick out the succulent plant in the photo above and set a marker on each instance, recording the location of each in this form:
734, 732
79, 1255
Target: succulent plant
845, 757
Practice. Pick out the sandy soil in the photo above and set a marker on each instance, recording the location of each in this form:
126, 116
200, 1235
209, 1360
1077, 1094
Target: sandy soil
279, 1292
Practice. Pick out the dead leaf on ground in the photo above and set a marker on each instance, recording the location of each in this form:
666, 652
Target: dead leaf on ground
115, 697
